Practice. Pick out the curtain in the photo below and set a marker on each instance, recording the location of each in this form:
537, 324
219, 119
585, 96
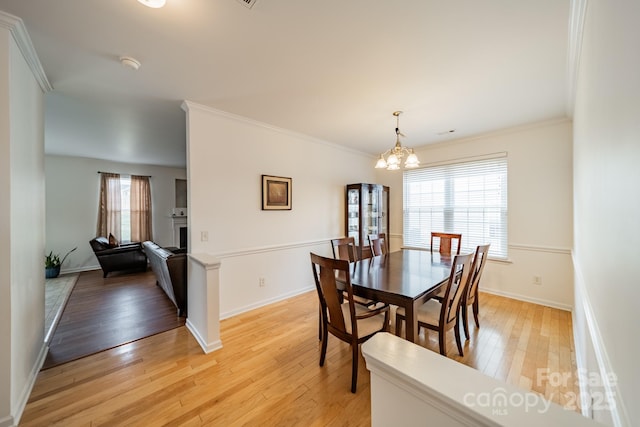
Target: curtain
141, 229
109, 208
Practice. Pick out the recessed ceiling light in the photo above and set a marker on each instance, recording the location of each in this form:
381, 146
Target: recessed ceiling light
130, 62
153, 3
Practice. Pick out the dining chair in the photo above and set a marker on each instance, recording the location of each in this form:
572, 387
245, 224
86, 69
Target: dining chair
442, 315
350, 322
470, 297
445, 242
378, 243
344, 248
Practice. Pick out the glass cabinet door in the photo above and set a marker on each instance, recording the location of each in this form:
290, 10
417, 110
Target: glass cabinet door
366, 213
353, 214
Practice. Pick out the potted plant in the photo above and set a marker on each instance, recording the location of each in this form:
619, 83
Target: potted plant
52, 264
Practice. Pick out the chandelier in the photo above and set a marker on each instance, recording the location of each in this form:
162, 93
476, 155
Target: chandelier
396, 153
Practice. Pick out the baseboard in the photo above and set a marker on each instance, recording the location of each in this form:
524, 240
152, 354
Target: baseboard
14, 419
262, 303
7, 422
539, 301
619, 414
206, 347
80, 269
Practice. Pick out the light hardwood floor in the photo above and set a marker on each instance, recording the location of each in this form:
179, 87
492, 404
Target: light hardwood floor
267, 373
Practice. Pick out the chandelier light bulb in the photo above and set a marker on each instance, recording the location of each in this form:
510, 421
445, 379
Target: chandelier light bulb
382, 164
412, 161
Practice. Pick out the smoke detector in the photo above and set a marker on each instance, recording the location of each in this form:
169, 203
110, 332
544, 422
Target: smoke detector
248, 3
153, 3
130, 62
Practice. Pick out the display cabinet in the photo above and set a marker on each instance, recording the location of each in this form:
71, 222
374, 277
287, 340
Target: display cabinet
367, 212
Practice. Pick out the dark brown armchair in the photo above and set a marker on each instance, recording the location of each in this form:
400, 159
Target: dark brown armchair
123, 257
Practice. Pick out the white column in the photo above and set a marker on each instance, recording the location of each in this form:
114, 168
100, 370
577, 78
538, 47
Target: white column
203, 301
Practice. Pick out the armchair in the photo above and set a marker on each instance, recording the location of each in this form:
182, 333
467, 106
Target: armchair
124, 257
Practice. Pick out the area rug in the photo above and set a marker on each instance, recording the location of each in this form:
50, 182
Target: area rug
56, 295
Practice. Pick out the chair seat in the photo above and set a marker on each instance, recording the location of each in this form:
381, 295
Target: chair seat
358, 300
367, 326
428, 313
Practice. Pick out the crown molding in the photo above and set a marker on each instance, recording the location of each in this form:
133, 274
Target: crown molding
577, 17
190, 105
19, 32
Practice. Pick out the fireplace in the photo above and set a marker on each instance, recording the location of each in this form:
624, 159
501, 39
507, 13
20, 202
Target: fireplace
180, 231
183, 237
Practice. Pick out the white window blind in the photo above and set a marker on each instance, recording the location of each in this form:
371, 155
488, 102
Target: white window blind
469, 198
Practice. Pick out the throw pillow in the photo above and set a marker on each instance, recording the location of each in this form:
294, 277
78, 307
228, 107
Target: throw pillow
113, 242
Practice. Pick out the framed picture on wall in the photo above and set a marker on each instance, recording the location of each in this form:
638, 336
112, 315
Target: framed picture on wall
276, 193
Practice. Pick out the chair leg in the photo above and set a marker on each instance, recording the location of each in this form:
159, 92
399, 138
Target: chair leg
458, 341
465, 324
323, 351
443, 342
320, 322
476, 309
398, 324
354, 368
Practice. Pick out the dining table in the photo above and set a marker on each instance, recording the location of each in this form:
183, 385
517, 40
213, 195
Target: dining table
405, 278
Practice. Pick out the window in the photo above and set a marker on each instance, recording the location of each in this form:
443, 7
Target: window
469, 198
124, 208
125, 213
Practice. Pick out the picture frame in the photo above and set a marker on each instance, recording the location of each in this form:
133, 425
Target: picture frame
276, 193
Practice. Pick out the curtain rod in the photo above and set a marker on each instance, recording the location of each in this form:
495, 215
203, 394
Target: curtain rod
147, 176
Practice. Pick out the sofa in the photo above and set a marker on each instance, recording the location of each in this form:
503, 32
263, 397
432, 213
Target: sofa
170, 268
118, 257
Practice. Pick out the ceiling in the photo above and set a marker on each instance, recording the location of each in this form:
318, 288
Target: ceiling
331, 69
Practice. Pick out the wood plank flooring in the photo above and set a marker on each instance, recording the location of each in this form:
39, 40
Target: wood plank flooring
267, 372
103, 313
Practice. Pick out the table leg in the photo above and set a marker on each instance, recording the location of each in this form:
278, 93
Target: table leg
411, 323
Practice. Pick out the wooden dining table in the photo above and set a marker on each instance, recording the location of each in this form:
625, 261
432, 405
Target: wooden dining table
406, 278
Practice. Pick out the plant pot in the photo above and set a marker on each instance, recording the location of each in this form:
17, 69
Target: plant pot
51, 272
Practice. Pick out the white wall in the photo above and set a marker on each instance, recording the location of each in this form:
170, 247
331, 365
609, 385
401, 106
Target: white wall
225, 201
607, 205
21, 225
540, 208
72, 192
5, 232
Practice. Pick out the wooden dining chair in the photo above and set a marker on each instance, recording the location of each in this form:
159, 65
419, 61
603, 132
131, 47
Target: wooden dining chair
442, 315
445, 241
470, 297
378, 244
350, 322
344, 248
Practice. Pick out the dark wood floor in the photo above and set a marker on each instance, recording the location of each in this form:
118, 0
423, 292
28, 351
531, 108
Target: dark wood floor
105, 313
